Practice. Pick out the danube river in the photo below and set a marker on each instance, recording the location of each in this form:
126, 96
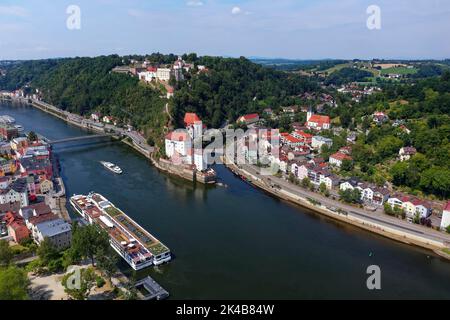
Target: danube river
237, 242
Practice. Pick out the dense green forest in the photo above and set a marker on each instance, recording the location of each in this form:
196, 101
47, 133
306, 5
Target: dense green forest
346, 75
235, 87
82, 85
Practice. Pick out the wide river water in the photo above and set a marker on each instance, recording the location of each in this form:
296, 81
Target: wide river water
238, 242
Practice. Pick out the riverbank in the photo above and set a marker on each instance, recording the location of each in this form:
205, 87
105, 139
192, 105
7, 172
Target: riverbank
140, 146
410, 237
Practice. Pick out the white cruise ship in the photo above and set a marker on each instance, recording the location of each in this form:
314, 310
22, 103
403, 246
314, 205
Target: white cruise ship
133, 243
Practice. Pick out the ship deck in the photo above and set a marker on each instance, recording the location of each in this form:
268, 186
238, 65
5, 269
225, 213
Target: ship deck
131, 238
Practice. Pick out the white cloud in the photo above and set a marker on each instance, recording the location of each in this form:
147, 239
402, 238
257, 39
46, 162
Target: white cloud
13, 11
194, 3
236, 10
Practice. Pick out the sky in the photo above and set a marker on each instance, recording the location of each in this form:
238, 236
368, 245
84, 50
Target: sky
293, 29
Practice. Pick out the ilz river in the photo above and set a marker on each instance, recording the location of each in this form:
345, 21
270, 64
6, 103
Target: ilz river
238, 242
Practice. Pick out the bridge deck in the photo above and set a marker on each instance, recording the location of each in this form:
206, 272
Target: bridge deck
88, 137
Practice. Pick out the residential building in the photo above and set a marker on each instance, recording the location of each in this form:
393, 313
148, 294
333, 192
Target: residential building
96, 116
7, 166
306, 138
16, 227
318, 141
8, 132
445, 221
37, 166
45, 186
58, 231
411, 206
15, 192
248, 119
406, 153
338, 158
330, 180
163, 74
350, 184
380, 117
290, 109
4, 182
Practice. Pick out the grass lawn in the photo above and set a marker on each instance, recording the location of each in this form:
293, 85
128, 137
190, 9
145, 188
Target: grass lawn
445, 250
399, 70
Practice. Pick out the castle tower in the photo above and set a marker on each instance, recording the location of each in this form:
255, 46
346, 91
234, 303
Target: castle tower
309, 114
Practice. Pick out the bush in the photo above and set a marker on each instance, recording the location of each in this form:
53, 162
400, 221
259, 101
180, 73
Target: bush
99, 281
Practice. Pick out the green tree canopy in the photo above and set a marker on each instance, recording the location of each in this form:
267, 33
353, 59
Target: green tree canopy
13, 284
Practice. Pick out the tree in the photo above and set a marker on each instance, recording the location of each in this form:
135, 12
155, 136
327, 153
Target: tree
13, 284
6, 253
388, 146
32, 136
47, 251
323, 187
88, 241
83, 288
306, 183
107, 261
350, 196
347, 165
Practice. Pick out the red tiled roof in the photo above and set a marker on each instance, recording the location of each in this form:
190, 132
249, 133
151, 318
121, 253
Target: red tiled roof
340, 156
42, 218
177, 136
292, 139
319, 119
447, 206
304, 134
191, 118
250, 116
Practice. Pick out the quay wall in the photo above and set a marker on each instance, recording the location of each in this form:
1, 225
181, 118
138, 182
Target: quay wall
386, 231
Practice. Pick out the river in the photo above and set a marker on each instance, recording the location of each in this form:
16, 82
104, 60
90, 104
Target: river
238, 242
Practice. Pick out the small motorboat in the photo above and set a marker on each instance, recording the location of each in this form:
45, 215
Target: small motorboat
111, 167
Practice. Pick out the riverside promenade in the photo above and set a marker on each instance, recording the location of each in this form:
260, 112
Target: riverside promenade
135, 140
382, 224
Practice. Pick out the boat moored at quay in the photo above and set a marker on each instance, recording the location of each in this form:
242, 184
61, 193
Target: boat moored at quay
133, 243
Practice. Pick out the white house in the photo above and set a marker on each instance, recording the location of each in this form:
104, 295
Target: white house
319, 141
445, 221
411, 206
16, 192
147, 76
299, 170
406, 153
330, 180
96, 116
163, 74
337, 159
178, 142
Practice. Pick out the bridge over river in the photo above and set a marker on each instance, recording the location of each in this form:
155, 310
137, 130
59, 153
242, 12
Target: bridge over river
80, 138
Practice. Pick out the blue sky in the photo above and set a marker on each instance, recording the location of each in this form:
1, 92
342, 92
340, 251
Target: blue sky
303, 29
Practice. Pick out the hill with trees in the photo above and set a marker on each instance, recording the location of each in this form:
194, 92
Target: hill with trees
234, 87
